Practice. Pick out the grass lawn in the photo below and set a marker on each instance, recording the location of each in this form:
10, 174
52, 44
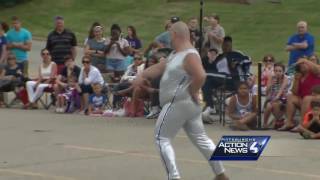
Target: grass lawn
257, 29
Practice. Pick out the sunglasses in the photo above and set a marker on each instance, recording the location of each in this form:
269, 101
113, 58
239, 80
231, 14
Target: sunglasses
85, 62
45, 54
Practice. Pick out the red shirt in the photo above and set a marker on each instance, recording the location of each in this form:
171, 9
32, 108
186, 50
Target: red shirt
306, 85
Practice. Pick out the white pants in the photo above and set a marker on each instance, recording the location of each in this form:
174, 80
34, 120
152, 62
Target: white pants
174, 116
35, 93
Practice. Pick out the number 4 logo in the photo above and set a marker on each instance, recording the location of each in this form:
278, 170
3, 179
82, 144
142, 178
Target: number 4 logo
254, 148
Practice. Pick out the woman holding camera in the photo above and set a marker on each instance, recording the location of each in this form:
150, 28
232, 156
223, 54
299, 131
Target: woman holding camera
307, 76
116, 51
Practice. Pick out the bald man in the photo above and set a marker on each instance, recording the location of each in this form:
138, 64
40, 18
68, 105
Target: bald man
182, 77
300, 44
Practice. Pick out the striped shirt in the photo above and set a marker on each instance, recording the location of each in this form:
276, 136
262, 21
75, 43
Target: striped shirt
60, 44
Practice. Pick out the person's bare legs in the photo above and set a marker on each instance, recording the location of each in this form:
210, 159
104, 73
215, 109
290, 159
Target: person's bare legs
276, 110
84, 101
305, 106
292, 104
266, 114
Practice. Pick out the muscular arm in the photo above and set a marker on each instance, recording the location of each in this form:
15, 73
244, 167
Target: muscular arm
193, 66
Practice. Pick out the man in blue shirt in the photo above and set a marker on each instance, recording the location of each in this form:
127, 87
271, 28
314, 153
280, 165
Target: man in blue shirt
164, 39
300, 44
19, 43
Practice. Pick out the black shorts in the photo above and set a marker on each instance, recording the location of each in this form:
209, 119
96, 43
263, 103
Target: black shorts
86, 89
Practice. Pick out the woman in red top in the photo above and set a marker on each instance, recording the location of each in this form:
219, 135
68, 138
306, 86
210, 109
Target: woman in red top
306, 77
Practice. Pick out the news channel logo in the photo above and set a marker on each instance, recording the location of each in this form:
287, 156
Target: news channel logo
240, 148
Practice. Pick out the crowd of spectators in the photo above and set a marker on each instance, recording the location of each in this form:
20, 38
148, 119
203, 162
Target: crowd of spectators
103, 86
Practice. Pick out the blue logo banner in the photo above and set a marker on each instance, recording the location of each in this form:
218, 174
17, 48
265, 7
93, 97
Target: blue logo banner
240, 148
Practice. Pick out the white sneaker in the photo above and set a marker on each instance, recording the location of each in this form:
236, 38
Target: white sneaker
154, 113
206, 116
207, 111
59, 110
120, 113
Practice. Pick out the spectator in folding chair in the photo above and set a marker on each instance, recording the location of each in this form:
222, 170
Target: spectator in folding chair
14, 78
70, 71
225, 72
88, 75
132, 71
46, 78
148, 91
68, 100
209, 66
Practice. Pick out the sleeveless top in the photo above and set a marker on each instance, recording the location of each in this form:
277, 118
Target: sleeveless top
241, 109
275, 88
175, 80
46, 71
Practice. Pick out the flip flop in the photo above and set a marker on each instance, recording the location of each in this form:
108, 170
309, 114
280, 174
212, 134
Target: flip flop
285, 128
295, 129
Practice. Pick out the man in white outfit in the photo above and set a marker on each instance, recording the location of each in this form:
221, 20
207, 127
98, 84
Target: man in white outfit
182, 77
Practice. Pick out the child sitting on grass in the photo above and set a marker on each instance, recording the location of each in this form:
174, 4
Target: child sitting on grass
97, 101
310, 129
242, 109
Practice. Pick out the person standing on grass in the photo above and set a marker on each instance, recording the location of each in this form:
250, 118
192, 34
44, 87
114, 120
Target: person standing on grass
164, 39
134, 41
3, 42
95, 48
214, 35
116, 51
61, 42
91, 32
19, 43
300, 44
194, 32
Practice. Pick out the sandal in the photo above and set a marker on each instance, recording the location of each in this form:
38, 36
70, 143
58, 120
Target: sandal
286, 128
295, 129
